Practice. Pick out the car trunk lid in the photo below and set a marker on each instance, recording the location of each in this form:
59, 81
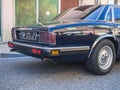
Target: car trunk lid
39, 35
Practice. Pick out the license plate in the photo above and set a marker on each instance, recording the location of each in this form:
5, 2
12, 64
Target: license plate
30, 36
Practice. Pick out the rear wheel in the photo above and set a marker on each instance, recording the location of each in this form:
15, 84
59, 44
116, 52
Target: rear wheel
102, 58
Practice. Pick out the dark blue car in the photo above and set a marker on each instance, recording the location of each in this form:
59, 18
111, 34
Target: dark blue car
89, 33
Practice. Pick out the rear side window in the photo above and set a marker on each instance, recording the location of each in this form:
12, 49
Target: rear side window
117, 15
94, 15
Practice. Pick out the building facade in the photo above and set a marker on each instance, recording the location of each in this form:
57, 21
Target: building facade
29, 12
0, 20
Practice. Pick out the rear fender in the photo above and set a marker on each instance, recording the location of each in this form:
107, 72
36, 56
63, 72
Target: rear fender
98, 40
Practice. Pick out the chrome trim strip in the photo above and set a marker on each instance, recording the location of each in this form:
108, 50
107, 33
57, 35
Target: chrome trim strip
81, 48
24, 28
112, 15
77, 48
15, 34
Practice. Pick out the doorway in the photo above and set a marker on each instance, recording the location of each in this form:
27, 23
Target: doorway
30, 12
48, 9
25, 12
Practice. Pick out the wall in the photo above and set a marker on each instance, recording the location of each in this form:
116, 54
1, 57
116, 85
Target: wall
86, 2
90, 2
107, 1
7, 19
110, 1
66, 4
118, 1
0, 20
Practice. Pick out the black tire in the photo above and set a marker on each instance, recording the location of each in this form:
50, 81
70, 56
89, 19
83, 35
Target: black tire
102, 55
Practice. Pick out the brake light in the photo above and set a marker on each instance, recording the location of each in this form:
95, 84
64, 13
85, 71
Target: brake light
36, 51
48, 38
11, 45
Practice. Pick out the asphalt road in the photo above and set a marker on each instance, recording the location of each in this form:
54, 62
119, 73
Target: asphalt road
32, 74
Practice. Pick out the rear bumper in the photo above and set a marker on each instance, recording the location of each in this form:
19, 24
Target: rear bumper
47, 51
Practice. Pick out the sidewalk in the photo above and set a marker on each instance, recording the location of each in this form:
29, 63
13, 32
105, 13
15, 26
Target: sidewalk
6, 53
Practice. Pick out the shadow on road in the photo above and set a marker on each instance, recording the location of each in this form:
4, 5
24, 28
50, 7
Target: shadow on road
47, 67
38, 67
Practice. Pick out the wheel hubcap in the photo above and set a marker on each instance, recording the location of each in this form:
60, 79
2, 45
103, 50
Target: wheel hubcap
105, 57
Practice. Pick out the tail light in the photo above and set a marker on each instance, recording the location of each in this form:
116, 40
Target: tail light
36, 51
11, 45
48, 38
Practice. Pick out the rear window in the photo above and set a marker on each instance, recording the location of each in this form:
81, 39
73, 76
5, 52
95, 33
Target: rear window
83, 8
76, 13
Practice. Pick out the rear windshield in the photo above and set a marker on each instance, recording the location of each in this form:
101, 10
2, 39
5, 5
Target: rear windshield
77, 12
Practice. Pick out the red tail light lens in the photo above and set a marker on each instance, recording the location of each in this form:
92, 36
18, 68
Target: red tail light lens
46, 37
11, 45
36, 51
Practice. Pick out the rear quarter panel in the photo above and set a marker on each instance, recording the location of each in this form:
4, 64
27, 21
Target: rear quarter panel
81, 36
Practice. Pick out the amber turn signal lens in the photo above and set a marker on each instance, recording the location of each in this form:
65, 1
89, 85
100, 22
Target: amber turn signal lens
55, 53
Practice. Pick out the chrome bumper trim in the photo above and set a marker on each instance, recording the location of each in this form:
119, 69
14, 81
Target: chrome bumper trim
76, 48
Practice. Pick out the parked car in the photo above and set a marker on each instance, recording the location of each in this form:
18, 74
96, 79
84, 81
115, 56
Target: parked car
92, 34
